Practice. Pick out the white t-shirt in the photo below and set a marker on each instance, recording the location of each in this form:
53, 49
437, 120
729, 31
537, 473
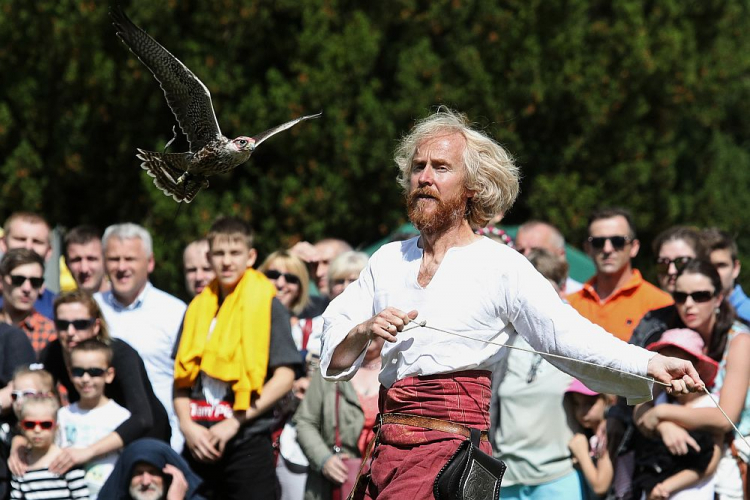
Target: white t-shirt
483, 290
80, 428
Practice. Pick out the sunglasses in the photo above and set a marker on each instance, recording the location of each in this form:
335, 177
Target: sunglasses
662, 264
699, 297
19, 280
21, 395
78, 324
78, 372
30, 425
618, 242
290, 278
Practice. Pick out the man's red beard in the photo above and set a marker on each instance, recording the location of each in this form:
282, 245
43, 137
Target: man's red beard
444, 214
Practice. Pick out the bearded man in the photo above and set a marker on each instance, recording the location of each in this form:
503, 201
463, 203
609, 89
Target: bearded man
472, 293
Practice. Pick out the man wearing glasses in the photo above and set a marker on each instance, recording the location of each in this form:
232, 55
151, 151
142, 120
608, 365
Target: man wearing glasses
617, 297
22, 272
30, 230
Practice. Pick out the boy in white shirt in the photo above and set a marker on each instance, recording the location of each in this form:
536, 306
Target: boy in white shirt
95, 415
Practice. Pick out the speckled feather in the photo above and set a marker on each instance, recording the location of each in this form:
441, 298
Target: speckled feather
182, 175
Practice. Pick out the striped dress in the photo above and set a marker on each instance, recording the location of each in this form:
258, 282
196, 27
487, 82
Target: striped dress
41, 484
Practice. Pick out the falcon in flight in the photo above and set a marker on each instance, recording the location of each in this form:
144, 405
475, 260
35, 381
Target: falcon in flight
182, 175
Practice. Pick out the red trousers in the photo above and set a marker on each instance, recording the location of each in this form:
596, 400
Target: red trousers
407, 459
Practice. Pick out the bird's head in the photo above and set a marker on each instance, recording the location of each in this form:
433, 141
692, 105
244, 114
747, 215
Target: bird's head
244, 144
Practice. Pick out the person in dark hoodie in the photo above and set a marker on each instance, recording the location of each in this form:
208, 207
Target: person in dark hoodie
149, 469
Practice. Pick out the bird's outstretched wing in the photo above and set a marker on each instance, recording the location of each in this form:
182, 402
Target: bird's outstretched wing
268, 133
186, 95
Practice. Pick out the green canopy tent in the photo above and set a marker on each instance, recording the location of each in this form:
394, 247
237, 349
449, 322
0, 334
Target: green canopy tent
581, 266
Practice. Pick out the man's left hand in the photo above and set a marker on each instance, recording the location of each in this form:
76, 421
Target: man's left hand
678, 373
223, 432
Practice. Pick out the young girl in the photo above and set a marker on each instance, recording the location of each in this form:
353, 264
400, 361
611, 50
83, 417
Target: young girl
589, 448
28, 383
38, 425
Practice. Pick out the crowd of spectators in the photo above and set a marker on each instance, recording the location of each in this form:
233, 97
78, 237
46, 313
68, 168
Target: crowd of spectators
223, 398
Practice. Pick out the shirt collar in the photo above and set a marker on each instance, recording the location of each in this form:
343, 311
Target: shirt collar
28, 323
136, 304
636, 279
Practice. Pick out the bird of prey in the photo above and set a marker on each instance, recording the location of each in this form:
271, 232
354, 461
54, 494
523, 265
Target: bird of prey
182, 175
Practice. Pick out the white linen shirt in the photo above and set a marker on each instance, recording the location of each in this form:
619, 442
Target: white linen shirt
484, 290
150, 325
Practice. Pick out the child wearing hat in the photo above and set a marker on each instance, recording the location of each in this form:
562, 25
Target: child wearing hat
674, 470
588, 446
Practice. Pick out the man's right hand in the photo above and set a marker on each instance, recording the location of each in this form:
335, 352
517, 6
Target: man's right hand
386, 324
334, 469
201, 443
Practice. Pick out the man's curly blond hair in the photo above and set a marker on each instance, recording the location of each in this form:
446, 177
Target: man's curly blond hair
490, 171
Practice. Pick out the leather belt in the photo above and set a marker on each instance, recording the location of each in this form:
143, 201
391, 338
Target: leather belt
434, 424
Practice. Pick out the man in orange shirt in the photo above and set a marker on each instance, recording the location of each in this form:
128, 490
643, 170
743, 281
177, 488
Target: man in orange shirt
617, 297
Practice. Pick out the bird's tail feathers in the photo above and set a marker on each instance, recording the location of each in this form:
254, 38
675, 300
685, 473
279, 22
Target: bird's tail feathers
170, 174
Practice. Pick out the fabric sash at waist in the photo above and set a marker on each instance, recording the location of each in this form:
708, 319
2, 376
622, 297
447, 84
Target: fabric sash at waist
461, 397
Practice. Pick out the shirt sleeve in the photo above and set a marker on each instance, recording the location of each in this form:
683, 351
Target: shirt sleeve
352, 307
129, 378
282, 351
17, 351
551, 326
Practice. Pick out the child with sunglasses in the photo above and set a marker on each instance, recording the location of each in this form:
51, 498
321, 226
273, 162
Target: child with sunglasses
21, 275
38, 425
94, 415
30, 382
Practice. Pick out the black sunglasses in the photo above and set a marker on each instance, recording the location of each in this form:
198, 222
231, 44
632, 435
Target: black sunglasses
618, 242
19, 280
78, 324
30, 425
77, 371
662, 264
290, 278
699, 297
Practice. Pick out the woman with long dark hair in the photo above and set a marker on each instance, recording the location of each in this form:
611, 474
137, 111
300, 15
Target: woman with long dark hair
702, 307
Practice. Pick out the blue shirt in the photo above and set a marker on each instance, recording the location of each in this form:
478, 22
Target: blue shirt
741, 303
150, 325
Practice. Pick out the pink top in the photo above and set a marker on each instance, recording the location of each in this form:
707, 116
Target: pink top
370, 409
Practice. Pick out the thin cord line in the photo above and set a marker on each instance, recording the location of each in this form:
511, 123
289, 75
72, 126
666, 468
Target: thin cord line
423, 324
726, 416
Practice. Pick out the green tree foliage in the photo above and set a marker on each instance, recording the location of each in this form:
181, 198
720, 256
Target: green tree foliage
632, 103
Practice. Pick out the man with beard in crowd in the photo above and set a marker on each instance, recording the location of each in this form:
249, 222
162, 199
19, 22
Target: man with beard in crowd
444, 300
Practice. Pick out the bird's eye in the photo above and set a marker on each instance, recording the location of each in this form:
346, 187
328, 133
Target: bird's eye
242, 142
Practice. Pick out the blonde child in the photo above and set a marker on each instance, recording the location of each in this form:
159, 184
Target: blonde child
30, 382
38, 425
94, 416
588, 408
